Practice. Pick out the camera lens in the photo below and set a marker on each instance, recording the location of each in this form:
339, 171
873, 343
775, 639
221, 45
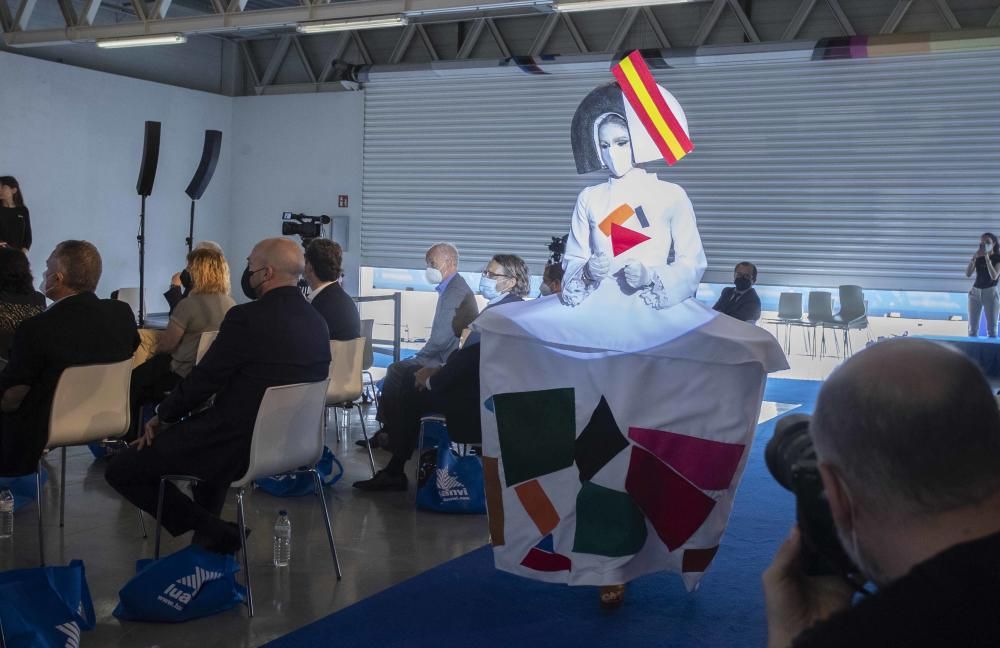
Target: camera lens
790, 446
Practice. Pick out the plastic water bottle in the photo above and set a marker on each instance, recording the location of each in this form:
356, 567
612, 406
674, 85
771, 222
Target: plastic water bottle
6, 514
282, 540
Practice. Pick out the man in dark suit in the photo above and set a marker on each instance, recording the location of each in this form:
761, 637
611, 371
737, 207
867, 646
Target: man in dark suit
324, 259
455, 310
453, 388
279, 339
78, 329
741, 301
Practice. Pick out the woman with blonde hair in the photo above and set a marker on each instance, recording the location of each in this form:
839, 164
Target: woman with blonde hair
200, 312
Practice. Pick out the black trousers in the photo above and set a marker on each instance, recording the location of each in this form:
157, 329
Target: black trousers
188, 448
398, 382
150, 383
414, 404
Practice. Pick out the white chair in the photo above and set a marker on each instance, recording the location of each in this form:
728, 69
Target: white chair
287, 437
204, 342
346, 358
90, 404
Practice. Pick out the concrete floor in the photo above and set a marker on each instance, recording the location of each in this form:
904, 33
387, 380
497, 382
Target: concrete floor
381, 538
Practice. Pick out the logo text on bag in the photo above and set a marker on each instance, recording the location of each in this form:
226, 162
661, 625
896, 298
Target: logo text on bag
449, 488
179, 593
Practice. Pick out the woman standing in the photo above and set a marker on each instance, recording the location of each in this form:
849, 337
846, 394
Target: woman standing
15, 225
983, 296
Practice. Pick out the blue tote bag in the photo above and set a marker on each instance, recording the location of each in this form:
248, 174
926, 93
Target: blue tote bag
189, 584
449, 484
45, 607
297, 484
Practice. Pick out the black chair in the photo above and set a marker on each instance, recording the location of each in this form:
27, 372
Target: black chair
819, 316
852, 316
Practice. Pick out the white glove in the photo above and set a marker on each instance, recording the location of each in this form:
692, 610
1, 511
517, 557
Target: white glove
598, 266
637, 275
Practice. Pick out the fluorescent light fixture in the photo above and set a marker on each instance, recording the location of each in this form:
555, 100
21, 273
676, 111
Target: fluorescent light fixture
593, 5
480, 8
348, 24
142, 41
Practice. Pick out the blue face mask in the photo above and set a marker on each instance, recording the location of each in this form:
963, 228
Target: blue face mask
488, 288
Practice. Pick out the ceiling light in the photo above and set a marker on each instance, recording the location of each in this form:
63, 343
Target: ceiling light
481, 8
592, 5
142, 41
348, 24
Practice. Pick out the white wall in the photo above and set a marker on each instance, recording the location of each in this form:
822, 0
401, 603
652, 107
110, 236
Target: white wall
295, 153
73, 139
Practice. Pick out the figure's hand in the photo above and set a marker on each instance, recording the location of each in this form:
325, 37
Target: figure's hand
598, 266
153, 426
637, 275
176, 279
423, 375
795, 601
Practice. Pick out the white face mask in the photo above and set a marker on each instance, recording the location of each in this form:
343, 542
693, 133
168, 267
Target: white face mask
618, 159
488, 288
433, 276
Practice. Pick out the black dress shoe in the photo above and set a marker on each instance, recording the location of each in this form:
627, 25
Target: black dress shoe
224, 538
378, 440
383, 481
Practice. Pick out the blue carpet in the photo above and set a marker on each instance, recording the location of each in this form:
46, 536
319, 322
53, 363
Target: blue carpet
466, 602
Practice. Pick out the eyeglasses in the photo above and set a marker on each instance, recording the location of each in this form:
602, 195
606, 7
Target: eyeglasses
494, 275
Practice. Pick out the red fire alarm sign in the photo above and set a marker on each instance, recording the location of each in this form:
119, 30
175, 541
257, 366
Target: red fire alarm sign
342, 200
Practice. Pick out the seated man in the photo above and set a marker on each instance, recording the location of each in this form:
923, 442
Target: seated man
455, 310
907, 434
279, 339
741, 301
451, 389
552, 278
78, 329
324, 259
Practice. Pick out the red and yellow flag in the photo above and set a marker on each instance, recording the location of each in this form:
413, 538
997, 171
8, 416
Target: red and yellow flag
640, 90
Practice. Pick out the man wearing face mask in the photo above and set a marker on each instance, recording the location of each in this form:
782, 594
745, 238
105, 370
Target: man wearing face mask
276, 339
552, 278
77, 329
741, 301
452, 388
455, 310
908, 439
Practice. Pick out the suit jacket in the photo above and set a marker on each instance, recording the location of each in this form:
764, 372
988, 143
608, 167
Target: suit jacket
455, 388
745, 307
452, 306
78, 330
279, 339
339, 311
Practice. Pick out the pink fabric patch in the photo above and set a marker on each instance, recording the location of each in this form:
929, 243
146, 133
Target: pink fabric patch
706, 464
674, 507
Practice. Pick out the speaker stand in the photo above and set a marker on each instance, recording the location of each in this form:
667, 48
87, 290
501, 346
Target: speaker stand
190, 236
141, 238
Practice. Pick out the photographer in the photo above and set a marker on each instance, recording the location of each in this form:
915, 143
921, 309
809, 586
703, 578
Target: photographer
907, 437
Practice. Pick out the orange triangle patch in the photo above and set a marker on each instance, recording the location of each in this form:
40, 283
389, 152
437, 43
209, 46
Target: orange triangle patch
623, 239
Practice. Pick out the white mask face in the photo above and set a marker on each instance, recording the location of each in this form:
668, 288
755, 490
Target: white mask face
615, 148
433, 276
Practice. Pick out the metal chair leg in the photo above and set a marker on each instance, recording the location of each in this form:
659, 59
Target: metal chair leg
243, 545
159, 518
62, 490
326, 518
41, 535
142, 523
364, 432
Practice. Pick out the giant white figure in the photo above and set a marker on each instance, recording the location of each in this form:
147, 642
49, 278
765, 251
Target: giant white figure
617, 416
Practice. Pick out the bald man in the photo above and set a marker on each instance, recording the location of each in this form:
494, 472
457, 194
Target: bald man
277, 339
908, 439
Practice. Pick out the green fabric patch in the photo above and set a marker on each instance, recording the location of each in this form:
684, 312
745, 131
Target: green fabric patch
537, 432
608, 522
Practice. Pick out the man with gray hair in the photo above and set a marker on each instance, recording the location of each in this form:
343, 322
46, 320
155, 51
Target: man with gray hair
908, 439
276, 339
455, 310
78, 329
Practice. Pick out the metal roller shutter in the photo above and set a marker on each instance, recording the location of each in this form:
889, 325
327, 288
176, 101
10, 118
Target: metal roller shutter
880, 172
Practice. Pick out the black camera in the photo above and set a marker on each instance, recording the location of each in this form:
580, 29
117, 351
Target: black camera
558, 248
791, 458
305, 227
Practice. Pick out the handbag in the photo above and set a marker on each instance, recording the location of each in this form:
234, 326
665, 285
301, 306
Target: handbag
298, 484
451, 484
45, 607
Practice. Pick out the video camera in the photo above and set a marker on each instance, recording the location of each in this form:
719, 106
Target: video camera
558, 248
305, 227
791, 458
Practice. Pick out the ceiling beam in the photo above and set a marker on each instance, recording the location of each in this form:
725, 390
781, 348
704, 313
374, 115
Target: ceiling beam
306, 63
68, 12
250, 65
471, 38
403, 43
362, 48
6, 20
708, 24
624, 27
575, 33
896, 17
218, 6
995, 19
498, 38
949, 16
544, 34
838, 13
654, 24
798, 20
336, 55
237, 5
140, 9
160, 9
744, 21
277, 58
23, 15
428, 44
89, 13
